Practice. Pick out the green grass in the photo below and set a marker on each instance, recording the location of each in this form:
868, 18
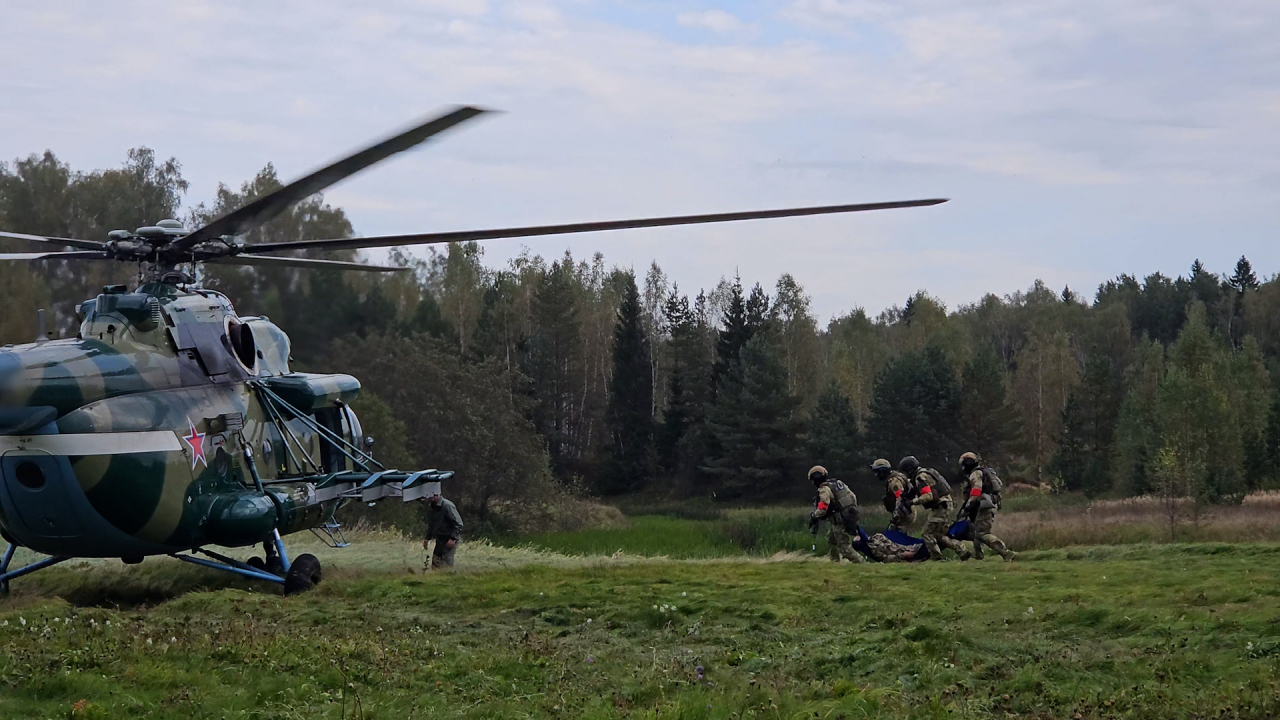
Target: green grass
753, 532
1135, 632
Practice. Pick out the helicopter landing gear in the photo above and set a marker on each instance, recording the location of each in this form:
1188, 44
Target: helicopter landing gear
271, 562
6, 574
303, 575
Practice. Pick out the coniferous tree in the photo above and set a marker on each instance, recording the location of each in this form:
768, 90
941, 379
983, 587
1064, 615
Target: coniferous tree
834, 440
554, 364
1242, 281
681, 408
987, 421
913, 408
1083, 460
629, 414
742, 318
755, 425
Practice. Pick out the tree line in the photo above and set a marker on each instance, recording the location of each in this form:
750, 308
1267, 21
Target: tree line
565, 374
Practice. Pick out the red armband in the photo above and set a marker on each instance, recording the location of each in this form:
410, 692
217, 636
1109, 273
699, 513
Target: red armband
822, 506
926, 490
897, 493
975, 492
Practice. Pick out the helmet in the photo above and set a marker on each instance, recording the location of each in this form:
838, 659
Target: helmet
817, 474
881, 464
908, 465
968, 461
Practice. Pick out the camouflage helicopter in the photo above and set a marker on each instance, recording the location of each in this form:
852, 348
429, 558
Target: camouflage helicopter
171, 425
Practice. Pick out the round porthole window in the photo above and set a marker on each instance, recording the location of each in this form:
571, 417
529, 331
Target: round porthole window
29, 474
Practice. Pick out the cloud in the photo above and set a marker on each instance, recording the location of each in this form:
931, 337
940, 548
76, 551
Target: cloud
714, 20
1077, 138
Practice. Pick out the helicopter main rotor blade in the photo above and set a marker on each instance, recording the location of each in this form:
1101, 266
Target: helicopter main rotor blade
69, 255
269, 206
276, 261
64, 242
535, 230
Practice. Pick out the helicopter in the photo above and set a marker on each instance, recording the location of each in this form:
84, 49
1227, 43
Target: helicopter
172, 426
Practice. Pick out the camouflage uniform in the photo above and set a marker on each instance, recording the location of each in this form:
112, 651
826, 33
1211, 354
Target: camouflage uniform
835, 502
885, 550
981, 509
939, 518
902, 514
443, 524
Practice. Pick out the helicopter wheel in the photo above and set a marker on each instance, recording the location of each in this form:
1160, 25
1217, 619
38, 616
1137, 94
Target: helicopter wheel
303, 575
256, 563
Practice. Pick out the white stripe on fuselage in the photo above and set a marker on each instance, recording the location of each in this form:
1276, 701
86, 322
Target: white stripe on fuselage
121, 443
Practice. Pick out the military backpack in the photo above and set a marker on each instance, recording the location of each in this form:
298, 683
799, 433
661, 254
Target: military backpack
846, 503
992, 485
941, 488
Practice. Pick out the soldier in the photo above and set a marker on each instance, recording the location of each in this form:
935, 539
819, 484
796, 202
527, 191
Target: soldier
981, 489
930, 489
901, 514
837, 503
444, 525
883, 549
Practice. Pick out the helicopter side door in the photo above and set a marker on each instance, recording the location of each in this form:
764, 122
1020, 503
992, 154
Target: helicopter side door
37, 496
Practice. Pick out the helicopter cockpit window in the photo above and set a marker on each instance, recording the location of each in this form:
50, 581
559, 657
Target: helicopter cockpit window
240, 336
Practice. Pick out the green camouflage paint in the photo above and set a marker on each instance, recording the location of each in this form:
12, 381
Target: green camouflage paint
160, 359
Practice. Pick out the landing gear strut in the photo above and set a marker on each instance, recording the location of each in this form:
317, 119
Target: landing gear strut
6, 574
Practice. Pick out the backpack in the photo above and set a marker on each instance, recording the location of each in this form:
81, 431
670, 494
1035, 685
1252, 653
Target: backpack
992, 485
846, 501
941, 488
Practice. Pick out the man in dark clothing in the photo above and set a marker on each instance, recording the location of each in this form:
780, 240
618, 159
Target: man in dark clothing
444, 525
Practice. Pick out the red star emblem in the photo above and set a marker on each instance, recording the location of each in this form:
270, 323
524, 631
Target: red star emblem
196, 441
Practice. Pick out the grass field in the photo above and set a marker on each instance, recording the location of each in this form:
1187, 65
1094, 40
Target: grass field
1143, 631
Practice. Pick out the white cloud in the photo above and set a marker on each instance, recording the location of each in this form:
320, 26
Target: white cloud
714, 20
1078, 138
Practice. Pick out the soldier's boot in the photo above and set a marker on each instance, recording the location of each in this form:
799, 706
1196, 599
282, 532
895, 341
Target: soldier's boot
956, 547
854, 557
998, 545
964, 552
935, 552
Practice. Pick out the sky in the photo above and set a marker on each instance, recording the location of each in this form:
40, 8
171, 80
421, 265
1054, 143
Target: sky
1076, 139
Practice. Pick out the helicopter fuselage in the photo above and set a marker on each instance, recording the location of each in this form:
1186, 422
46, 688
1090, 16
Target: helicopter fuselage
147, 434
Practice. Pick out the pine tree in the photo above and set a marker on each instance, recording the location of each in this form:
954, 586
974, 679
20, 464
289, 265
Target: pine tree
629, 414
555, 365
834, 440
678, 413
987, 421
735, 332
756, 429
1089, 422
913, 408
1242, 281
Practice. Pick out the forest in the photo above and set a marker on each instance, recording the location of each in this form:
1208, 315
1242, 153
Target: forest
562, 376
